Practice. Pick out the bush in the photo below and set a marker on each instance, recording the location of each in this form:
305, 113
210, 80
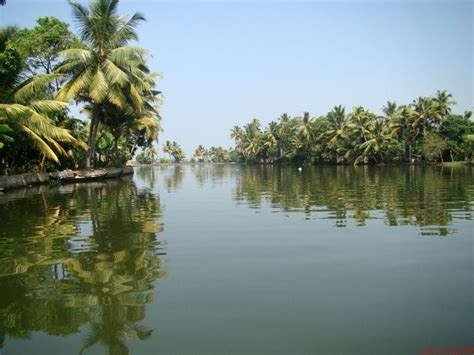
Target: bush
434, 146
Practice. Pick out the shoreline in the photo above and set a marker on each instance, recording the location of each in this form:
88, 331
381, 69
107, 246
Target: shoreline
26, 180
11, 182
436, 164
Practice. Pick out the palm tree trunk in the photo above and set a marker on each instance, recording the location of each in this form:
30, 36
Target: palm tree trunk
451, 154
43, 158
92, 137
115, 148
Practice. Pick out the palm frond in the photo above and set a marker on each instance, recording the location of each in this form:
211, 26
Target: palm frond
45, 106
34, 85
42, 146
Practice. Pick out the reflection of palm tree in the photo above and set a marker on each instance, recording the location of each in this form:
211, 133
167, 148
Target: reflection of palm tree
357, 193
105, 280
112, 327
175, 177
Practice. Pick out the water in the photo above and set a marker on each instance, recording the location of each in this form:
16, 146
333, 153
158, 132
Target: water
228, 259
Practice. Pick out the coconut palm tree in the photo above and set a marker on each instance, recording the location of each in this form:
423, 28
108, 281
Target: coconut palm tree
168, 149
376, 140
443, 99
200, 153
284, 133
26, 108
177, 152
236, 134
104, 69
336, 131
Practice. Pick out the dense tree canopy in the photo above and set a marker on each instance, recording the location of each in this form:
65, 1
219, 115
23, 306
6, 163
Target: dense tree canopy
47, 68
424, 129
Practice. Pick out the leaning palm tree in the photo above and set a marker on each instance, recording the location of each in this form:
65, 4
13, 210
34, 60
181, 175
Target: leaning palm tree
27, 110
104, 69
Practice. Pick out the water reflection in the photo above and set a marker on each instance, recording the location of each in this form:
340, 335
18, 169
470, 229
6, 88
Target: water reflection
88, 255
216, 173
429, 197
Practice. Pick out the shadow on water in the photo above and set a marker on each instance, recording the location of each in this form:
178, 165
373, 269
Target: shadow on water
87, 256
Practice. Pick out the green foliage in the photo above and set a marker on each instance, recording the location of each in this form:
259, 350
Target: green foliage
4, 129
174, 151
11, 61
213, 154
45, 67
357, 137
434, 145
454, 129
111, 77
41, 45
147, 156
469, 146
27, 106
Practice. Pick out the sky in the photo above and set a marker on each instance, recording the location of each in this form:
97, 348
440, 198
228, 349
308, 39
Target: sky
224, 63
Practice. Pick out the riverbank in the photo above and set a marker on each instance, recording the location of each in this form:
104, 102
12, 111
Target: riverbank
454, 164
70, 176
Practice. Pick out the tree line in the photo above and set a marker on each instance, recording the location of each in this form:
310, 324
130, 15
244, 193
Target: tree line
47, 68
426, 129
176, 155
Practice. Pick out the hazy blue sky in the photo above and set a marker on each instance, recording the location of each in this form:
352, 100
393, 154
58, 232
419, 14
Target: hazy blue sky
224, 63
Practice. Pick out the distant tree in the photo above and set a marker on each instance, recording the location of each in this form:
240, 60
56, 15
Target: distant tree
434, 146
200, 153
174, 150
469, 146
147, 156
453, 129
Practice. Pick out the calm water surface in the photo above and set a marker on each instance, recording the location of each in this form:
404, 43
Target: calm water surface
228, 259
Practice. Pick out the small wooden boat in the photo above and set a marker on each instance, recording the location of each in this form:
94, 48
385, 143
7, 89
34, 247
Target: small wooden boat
79, 175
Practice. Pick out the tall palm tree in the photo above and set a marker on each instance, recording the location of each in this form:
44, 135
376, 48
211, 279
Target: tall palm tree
200, 153
284, 134
443, 99
168, 149
105, 69
373, 147
336, 130
304, 138
251, 142
236, 134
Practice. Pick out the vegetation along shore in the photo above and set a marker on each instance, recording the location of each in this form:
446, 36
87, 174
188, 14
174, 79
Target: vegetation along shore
49, 73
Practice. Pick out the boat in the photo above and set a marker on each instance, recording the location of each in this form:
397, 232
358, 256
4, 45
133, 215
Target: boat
78, 175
